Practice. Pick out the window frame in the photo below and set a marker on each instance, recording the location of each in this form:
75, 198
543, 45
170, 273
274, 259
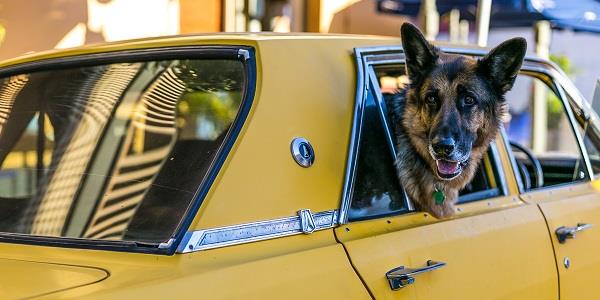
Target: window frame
242, 53
366, 59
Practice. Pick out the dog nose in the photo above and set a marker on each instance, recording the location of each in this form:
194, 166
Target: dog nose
443, 147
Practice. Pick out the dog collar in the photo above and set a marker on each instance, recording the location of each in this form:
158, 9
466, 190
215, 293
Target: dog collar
438, 195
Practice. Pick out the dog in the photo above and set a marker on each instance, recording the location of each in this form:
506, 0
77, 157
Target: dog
446, 117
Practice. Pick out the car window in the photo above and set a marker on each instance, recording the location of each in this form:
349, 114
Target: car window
591, 134
377, 191
541, 134
588, 124
115, 151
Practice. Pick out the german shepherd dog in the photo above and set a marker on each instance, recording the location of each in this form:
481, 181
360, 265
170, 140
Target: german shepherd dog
445, 119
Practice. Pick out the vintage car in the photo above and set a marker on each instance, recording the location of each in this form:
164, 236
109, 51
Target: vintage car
261, 166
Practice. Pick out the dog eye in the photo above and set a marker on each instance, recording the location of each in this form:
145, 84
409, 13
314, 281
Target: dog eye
469, 100
431, 100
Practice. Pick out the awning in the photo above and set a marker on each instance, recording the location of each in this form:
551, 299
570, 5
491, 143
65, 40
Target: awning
578, 15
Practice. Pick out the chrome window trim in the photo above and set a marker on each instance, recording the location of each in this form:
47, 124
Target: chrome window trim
367, 57
303, 223
361, 93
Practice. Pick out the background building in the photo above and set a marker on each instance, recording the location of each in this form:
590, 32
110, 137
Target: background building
36, 25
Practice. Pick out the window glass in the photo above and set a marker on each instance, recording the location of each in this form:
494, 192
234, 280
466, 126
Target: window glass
538, 123
377, 189
588, 125
113, 151
591, 133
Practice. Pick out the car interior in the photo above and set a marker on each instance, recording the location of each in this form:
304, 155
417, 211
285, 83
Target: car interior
543, 141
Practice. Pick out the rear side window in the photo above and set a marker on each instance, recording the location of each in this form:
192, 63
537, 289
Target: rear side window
115, 151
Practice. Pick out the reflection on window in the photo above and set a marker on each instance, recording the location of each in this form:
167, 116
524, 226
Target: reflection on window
591, 134
111, 152
588, 125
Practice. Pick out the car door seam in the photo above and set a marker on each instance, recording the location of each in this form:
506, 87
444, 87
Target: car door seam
553, 248
362, 280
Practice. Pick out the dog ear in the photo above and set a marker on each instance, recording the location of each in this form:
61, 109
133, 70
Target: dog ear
502, 64
420, 55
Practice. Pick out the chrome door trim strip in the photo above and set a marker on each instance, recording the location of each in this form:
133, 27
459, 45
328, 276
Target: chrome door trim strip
304, 223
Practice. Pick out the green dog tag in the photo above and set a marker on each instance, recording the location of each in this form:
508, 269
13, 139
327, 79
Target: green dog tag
439, 197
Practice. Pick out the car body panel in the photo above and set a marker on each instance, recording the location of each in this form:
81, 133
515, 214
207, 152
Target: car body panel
291, 101
482, 245
258, 181
292, 268
25, 279
487, 255
569, 206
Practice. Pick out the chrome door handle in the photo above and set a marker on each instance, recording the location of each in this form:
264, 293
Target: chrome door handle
563, 233
400, 277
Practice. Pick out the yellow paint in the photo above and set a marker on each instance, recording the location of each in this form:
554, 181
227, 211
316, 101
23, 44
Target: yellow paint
287, 268
568, 206
23, 279
291, 101
488, 247
259, 181
489, 169
502, 254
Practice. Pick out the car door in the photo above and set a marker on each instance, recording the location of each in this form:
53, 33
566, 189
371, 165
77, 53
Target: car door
561, 134
497, 246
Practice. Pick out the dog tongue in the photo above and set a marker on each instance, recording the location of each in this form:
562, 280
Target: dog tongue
447, 167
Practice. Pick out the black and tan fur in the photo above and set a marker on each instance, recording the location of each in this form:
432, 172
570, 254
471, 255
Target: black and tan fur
450, 111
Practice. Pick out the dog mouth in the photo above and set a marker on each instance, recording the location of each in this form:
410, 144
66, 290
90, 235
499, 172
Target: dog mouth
447, 169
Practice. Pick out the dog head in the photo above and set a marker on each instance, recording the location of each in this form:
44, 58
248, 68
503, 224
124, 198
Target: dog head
454, 103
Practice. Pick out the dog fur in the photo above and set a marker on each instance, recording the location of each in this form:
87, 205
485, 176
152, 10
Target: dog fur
445, 119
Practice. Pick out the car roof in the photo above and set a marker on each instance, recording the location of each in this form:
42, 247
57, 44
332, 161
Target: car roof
250, 39
240, 39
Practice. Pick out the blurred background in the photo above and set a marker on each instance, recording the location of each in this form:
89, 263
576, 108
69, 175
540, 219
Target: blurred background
565, 31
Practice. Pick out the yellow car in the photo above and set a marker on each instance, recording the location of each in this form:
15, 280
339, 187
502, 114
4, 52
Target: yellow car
241, 167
